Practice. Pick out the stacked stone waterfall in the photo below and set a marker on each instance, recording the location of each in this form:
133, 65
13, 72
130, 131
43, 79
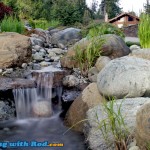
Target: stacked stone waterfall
35, 102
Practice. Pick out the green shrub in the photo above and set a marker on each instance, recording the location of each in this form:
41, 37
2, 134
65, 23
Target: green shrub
101, 28
12, 24
44, 24
144, 30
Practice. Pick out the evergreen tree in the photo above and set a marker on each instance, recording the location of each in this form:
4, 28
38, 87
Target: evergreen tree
94, 6
147, 7
66, 11
111, 7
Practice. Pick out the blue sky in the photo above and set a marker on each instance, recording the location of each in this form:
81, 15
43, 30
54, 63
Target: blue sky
127, 5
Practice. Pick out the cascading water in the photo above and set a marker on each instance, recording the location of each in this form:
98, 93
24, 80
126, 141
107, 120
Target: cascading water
39, 130
26, 98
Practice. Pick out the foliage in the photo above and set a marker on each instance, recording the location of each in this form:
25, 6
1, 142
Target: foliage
147, 7
12, 24
67, 12
114, 124
101, 28
4, 10
86, 58
43, 24
144, 30
94, 5
111, 7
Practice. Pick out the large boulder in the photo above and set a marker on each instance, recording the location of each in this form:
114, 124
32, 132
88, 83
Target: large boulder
113, 47
66, 37
141, 53
89, 98
143, 126
125, 77
96, 115
15, 49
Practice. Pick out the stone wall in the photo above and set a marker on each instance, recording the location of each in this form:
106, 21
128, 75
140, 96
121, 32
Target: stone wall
131, 31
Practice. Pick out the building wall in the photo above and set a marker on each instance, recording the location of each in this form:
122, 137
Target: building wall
131, 31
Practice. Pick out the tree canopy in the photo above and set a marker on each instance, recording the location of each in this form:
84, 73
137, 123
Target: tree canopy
111, 7
66, 11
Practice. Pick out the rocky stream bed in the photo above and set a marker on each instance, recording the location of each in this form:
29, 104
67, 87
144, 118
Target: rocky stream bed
43, 92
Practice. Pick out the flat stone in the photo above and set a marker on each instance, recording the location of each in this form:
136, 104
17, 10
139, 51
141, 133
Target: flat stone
9, 83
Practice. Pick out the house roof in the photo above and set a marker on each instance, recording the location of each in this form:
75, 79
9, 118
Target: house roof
122, 15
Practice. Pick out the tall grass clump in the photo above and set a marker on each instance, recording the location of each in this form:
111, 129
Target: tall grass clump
114, 127
44, 24
144, 30
86, 58
12, 24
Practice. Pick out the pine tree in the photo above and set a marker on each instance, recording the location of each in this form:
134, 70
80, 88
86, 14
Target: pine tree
147, 7
111, 7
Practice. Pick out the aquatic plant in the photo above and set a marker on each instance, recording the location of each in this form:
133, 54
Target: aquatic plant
144, 31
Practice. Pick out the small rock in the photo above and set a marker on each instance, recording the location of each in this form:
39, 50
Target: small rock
44, 64
38, 56
42, 109
6, 129
47, 59
101, 62
43, 51
132, 143
30, 64
46, 45
134, 47
1, 70
33, 51
70, 81
36, 66
9, 70
51, 54
134, 148
92, 74
24, 65
36, 41
57, 51
37, 48
56, 58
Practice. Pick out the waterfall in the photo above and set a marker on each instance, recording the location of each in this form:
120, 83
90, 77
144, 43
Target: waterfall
25, 98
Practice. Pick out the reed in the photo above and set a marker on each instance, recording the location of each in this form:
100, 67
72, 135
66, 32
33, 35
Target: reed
12, 24
144, 31
114, 124
87, 57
